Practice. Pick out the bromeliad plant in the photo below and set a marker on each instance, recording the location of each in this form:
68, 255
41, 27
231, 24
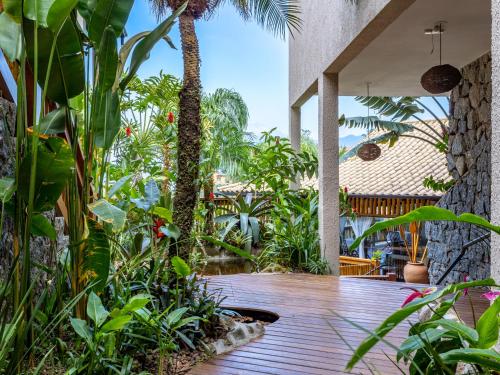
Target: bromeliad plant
244, 216
438, 343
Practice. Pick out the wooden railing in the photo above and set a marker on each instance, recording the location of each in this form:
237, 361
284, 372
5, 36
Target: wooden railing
350, 266
388, 206
372, 206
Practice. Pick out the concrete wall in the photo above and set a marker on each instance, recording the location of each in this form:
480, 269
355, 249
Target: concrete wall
333, 32
470, 165
495, 137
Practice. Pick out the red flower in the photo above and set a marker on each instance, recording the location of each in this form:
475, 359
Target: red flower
170, 117
158, 223
128, 131
211, 196
466, 279
491, 295
418, 294
346, 190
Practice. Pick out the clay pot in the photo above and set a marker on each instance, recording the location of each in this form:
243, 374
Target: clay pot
416, 273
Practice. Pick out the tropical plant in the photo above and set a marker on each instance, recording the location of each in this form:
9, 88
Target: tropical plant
48, 48
243, 215
274, 164
291, 236
225, 145
276, 15
438, 343
398, 110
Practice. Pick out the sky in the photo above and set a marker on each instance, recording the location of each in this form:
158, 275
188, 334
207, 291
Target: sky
242, 56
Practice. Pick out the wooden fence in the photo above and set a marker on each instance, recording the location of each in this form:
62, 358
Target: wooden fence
371, 206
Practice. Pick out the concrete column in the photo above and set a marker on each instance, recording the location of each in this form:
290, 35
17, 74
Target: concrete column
328, 138
495, 139
295, 138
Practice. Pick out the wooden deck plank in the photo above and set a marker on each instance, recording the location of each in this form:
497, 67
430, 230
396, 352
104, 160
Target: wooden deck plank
302, 341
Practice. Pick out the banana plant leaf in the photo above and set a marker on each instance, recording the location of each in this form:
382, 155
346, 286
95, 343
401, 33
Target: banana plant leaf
67, 78
41, 226
59, 12
13, 8
106, 13
54, 167
144, 47
107, 59
96, 255
10, 37
7, 188
426, 213
106, 117
53, 122
108, 213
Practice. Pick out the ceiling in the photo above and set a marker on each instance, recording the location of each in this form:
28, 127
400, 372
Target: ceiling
394, 62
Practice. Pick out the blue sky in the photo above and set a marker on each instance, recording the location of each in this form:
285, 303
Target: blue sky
241, 56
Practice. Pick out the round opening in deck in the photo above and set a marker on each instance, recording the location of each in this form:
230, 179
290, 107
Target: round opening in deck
256, 314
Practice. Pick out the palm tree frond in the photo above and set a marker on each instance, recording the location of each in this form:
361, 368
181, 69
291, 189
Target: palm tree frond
374, 123
277, 16
400, 109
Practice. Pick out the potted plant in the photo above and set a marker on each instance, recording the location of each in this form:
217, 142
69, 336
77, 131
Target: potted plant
415, 270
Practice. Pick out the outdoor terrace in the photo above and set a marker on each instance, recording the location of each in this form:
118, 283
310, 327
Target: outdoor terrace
302, 341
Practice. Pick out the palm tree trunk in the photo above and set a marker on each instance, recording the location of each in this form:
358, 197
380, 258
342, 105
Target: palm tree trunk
209, 205
189, 134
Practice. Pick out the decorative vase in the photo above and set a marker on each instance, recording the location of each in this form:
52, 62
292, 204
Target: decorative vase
416, 273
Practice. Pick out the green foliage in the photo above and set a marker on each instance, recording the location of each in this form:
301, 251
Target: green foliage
425, 347
438, 185
181, 268
10, 37
55, 162
244, 217
41, 226
274, 164
108, 213
61, 55
96, 255
291, 235
233, 249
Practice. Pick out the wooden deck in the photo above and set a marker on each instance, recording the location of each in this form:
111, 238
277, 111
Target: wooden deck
302, 341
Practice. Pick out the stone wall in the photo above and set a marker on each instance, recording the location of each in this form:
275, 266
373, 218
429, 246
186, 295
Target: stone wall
469, 164
43, 251
7, 123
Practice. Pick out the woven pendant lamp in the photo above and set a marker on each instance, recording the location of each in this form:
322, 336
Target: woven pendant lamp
443, 77
369, 151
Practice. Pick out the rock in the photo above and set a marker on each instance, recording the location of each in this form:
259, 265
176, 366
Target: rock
460, 165
470, 165
474, 96
239, 334
456, 147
